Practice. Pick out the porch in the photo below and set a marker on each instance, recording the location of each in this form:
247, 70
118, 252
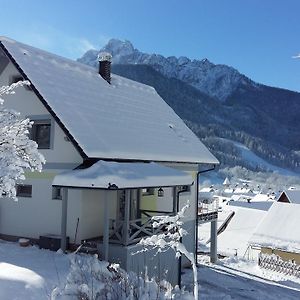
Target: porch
128, 181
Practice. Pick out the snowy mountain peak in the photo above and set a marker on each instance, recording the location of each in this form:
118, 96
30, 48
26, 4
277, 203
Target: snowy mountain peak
118, 48
218, 81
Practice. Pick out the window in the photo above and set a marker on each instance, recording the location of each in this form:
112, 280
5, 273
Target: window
147, 191
184, 188
56, 193
24, 190
17, 78
40, 133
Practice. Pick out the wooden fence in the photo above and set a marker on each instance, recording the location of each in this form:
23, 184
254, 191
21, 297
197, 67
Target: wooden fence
275, 263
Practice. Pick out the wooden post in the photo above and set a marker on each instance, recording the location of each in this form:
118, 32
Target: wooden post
126, 217
106, 225
64, 215
213, 242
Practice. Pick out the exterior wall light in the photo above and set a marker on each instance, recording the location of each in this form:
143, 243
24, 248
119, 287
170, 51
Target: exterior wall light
160, 192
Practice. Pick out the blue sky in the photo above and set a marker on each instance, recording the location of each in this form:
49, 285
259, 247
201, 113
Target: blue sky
257, 37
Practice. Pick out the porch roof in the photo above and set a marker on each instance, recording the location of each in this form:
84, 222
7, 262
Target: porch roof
121, 175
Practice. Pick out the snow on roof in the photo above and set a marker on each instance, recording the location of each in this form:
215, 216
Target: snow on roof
121, 120
226, 181
292, 195
280, 228
110, 175
239, 230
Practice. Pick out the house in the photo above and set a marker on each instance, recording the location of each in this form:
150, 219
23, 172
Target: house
116, 155
290, 196
278, 232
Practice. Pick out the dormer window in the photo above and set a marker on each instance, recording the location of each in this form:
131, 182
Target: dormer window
41, 133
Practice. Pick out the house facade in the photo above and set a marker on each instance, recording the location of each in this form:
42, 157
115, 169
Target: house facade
116, 154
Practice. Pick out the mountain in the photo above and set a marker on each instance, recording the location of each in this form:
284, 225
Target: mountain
216, 101
218, 81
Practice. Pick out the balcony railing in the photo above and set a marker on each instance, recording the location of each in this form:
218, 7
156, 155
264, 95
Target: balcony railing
208, 209
132, 231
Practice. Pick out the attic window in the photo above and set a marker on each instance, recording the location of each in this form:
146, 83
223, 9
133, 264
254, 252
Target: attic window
17, 78
41, 132
24, 190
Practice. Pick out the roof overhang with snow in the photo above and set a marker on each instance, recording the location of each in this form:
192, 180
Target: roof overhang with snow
117, 175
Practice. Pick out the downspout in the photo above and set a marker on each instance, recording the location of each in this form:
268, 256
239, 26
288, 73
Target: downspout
179, 262
197, 201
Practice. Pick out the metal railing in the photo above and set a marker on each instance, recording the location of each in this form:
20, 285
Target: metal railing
208, 209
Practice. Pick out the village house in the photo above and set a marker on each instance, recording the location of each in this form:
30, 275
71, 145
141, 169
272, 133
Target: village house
290, 196
116, 154
278, 232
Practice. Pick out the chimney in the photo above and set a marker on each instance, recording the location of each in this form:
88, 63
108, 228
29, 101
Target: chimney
104, 59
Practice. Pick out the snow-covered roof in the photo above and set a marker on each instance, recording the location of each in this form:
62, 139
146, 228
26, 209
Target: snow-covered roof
226, 181
115, 175
280, 228
121, 120
292, 195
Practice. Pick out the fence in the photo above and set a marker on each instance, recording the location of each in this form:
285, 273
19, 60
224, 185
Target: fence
275, 263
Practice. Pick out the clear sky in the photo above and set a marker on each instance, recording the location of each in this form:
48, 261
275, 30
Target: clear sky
257, 37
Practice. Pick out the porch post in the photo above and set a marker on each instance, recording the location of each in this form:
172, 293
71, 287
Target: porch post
213, 242
126, 217
106, 225
64, 213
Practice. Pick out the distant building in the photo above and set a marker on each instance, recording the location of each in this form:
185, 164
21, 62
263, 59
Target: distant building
279, 232
290, 196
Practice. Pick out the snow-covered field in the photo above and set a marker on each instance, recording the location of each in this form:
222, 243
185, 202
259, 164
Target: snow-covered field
31, 273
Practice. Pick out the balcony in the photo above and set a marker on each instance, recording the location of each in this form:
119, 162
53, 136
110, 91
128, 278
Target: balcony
208, 209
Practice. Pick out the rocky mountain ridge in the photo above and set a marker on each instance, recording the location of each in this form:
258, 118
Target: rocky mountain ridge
218, 81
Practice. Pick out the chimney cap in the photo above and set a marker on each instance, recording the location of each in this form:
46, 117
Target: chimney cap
104, 56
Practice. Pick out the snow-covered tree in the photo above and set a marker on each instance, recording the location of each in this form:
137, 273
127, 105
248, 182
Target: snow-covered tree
17, 151
170, 238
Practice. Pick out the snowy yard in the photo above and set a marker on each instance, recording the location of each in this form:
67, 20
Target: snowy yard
30, 273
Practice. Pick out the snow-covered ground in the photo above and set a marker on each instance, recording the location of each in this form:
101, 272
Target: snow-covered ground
31, 273
241, 279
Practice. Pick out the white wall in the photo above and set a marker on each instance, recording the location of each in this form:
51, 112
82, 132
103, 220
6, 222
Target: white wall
93, 212
39, 215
